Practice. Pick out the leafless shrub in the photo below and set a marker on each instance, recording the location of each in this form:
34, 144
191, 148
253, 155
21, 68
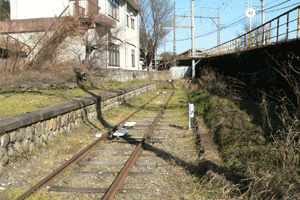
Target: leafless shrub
217, 84
270, 161
42, 57
48, 44
168, 60
280, 180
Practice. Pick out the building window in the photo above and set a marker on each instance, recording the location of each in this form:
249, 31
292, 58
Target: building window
113, 9
133, 58
130, 17
132, 23
114, 55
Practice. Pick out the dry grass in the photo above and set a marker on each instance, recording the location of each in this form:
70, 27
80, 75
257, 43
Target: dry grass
261, 165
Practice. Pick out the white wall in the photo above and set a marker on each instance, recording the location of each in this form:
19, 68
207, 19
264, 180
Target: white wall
180, 72
128, 38
28, 9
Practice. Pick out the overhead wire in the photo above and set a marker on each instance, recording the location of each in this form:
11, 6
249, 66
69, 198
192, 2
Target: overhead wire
283, 8
240, 20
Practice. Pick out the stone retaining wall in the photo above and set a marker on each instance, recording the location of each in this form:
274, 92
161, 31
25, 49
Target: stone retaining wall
129, 75
26, 132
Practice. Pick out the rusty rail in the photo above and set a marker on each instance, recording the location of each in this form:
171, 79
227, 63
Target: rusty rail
263, 35
47, 180
121, 177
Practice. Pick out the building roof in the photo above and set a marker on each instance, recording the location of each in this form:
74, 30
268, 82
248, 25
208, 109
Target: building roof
25, 25
135, 4
43, 24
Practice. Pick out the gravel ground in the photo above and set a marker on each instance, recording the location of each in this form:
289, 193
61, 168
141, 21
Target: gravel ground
171, 178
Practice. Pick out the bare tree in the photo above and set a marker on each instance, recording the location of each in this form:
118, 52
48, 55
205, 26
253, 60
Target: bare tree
154, 16
256, 38
4, 10
167, 60
100, 39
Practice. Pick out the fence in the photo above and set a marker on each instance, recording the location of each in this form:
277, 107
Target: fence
279, 29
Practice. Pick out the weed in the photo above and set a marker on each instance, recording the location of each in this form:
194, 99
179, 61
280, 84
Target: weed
270, 163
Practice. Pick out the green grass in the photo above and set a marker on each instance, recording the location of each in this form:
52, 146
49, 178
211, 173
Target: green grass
16, 103
243, 147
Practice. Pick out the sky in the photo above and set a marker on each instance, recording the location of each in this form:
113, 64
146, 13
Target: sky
232, 19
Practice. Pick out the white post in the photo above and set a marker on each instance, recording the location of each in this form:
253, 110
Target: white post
191, 115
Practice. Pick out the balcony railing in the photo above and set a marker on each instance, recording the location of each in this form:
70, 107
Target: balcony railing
85, 8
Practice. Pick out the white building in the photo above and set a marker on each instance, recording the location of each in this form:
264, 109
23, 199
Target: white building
29, 17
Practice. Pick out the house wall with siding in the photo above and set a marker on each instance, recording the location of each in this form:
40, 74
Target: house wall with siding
28, 9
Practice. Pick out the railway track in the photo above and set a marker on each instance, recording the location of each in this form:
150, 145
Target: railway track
109, 160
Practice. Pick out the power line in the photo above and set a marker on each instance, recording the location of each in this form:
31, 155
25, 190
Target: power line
283, 8
197, 3
278, 4
235, 23
239, 21
209, 33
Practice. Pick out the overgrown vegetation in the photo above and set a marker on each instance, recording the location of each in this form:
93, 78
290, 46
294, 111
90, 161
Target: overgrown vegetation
259, 164
43, 79
4, 9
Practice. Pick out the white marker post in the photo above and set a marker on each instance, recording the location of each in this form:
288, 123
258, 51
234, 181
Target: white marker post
191, 114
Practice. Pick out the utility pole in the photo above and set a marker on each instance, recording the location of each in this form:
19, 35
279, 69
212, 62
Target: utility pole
263, 20
192, 27
250, 19
193, 39
219, 27
174, 51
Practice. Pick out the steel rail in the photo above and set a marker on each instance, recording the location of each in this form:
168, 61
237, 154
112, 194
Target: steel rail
116, 186
48, 179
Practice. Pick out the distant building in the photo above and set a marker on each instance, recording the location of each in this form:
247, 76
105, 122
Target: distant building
185, 58
29, 17
188, 54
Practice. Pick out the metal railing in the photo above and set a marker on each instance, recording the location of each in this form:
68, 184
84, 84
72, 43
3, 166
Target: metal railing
188, 54
84, 7
280, 29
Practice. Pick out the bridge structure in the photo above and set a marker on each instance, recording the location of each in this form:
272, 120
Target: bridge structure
266, 59
282, 28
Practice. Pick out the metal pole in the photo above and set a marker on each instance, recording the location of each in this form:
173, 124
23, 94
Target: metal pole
298, 26
287, 26
193, 39
174, 28
219, 27
263, 20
